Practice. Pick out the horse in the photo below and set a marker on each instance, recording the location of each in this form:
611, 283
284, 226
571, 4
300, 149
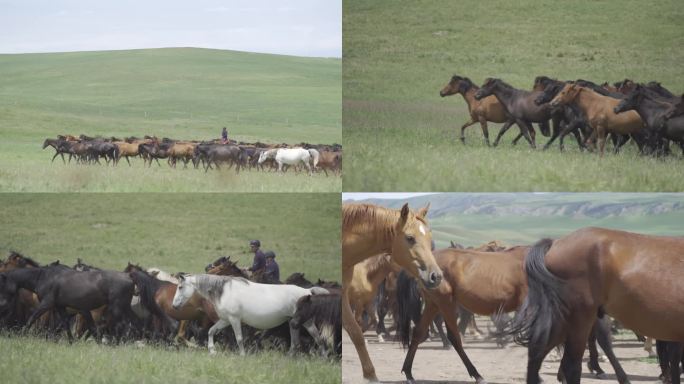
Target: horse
368, 275
57, 144
59, 287
634, 278
217, 153
318, 315
599, 112
520, 106
481, 110
677, 109
485, 283
289, 156
299, 280
238, 300
652, 111
330, 160
183, 151
127, 149
572, 120
369, 230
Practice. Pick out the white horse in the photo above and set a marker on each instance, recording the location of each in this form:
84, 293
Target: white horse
290, 156
238, 300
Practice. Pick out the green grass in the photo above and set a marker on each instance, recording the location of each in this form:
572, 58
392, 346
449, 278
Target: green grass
34, 360
401, 136
183, 93
175, 232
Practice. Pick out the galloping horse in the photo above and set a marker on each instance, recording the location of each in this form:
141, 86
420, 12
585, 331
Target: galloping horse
290, 156
369, 230
599, 111
520, 106
237, 300
634, 278
482, 111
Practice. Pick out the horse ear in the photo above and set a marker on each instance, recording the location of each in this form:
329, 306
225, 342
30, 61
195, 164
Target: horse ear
403, 216
423, 211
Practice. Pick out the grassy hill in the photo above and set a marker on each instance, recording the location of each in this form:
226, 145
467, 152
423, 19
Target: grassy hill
523, 218
184, 93
175, 231
401, 136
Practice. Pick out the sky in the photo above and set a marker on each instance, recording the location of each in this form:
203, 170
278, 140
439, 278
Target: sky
390, 195
294, 27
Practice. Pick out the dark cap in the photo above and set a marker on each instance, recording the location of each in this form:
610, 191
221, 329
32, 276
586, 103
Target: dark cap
269, 254
255, 242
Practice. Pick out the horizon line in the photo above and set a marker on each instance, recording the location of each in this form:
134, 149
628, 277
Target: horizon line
170, 47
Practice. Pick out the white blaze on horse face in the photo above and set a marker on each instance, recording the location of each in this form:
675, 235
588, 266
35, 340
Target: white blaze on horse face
422, 229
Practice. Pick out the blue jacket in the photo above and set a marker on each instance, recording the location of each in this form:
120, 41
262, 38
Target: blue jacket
273, 269
259, 261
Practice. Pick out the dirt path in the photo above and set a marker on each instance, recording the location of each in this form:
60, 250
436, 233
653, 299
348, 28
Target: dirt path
498, 366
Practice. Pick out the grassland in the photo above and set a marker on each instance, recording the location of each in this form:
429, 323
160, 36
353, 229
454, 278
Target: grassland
175, 232
401, 136
182, 93
87, 362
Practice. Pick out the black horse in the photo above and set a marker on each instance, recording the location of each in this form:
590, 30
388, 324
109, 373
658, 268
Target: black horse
653, 110
315, 313
520, 105
59, 287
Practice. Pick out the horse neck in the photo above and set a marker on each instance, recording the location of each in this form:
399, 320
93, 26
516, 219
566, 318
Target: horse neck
469, 96
505, 95
368, 243
651, 110
27, 278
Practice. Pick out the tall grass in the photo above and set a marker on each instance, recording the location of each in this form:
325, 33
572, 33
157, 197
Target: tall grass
401, 136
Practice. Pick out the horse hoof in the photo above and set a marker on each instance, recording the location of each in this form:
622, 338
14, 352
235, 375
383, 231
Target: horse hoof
481, 381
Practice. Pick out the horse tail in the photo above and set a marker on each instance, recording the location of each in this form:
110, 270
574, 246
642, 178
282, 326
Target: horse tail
409, 306
117, 153
544, 309
319, 291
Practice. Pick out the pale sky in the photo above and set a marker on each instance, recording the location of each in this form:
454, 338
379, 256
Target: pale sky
293, 27
388, 195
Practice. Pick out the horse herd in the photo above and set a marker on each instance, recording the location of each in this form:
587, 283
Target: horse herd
562, 291
150, 304
242, 155
648, 114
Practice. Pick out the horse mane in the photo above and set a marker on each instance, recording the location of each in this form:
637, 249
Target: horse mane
377, 220
212, 285
25, 260
324, 309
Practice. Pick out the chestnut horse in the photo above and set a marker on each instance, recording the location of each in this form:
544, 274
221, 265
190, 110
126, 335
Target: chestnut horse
599, 112
486, 283
482, 111
368, 275
635, 278
369, 230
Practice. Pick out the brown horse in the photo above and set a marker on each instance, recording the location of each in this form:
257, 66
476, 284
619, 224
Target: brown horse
183, 151
368, 275
635, 278
128, 149
485, 283
482, 111
369, 230
600, 114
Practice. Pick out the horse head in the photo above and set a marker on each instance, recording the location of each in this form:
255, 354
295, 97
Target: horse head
412, 246
566, 95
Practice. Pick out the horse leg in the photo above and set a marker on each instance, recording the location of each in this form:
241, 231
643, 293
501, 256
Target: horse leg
593, 363
601, 139
237, 329
603, 336
219, 325
437, 322
354, 330
515, 141
503, 130
464, 126
575, 343
485, 130
64, 318
526, 129
418, 336
674, 353
43, 307
311, 328
53, 157
557, 129
128, 161
455, 339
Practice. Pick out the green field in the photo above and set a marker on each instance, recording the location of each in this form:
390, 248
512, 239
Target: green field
182, 93
87, 362
174, 232
401, 136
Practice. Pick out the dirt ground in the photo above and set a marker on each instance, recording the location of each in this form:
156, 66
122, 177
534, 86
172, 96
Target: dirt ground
433, 364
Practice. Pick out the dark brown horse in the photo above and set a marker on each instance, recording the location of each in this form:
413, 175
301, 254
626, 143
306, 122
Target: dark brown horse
482, 111
520, 106
634, 278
